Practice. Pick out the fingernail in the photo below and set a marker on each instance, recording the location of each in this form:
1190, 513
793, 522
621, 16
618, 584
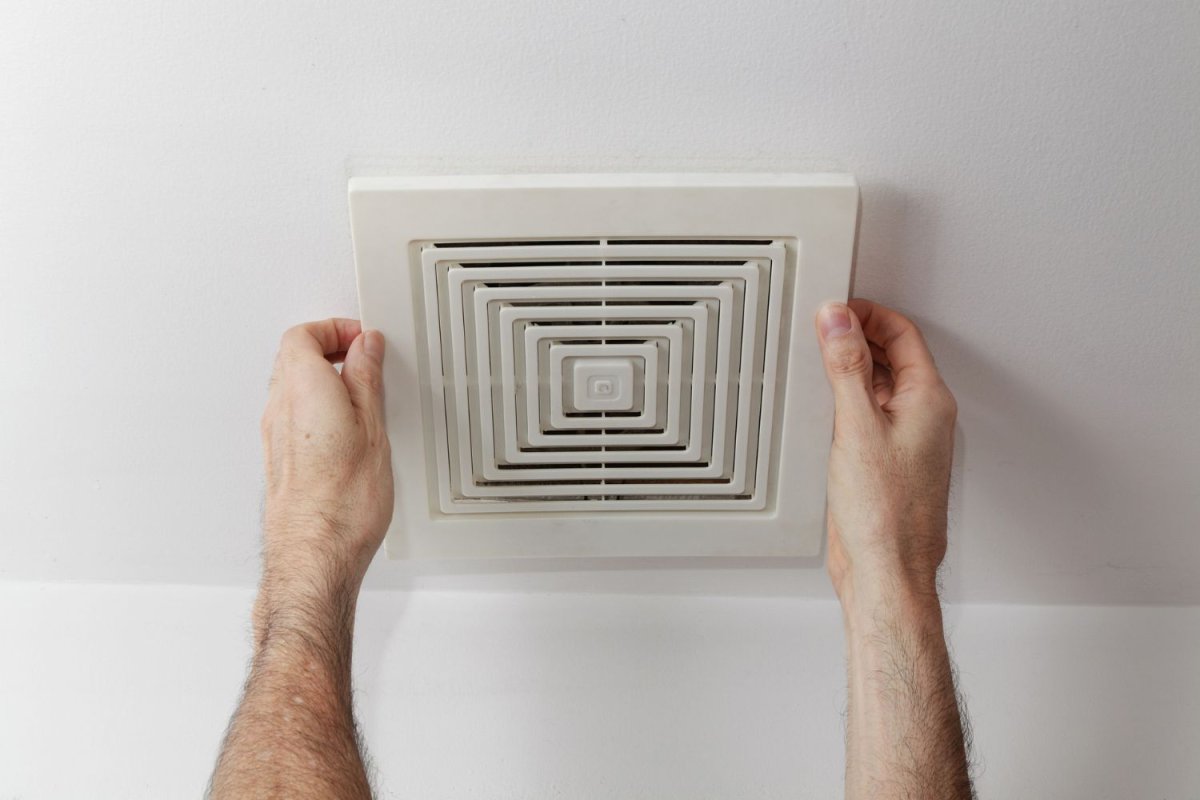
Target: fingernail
834, 320
373, 345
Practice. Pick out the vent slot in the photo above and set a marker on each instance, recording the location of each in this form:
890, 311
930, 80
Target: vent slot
678, 242
563, 242
544, 243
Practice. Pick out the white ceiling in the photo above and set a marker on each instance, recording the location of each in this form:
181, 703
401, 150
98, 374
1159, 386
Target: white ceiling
172, 196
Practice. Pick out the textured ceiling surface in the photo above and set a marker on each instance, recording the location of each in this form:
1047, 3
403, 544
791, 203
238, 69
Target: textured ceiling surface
172, 196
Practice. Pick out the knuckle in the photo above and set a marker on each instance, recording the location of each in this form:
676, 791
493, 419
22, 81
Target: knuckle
295, 332
904, 324
942, 401
288, 337
289, 367
371, 380
850, 361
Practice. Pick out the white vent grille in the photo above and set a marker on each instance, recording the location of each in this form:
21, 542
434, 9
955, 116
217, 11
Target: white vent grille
616, 374
604, 365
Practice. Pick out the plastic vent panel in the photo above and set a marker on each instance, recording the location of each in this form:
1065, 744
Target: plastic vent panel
684, 336
604, 365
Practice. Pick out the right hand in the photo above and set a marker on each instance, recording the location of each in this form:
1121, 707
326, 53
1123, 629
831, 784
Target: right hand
889, 466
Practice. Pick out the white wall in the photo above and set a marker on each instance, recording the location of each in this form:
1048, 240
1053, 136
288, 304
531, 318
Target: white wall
172, 195
124, 692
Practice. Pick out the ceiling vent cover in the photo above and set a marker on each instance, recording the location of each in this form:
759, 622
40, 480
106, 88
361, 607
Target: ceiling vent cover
607, 365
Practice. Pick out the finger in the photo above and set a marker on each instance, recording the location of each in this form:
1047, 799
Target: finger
306, 343
882, 384
324, 338
848, 362
901, 341
879, 354
363, 375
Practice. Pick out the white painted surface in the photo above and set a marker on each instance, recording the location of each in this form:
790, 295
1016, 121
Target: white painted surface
172, 195
125, 692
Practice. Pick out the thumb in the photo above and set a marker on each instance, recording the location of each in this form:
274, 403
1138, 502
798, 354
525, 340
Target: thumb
362, 373
848, 362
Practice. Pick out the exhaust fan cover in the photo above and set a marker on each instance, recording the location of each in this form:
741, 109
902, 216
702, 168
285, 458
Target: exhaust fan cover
604, 365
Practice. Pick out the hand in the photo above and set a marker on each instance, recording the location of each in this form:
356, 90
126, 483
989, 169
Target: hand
889, 467
329, 502
328, 463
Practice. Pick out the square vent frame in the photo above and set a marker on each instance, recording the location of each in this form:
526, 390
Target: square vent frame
467, 276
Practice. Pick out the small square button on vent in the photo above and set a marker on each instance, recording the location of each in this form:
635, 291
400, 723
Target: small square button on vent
602, 384
604, 365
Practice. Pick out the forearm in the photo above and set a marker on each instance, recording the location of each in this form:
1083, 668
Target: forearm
294, 730
905, 734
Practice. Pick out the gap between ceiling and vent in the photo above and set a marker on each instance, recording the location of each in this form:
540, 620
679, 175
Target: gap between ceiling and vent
600, 242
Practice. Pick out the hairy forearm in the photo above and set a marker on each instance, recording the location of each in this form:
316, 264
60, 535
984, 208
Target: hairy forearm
294, 732
905, 735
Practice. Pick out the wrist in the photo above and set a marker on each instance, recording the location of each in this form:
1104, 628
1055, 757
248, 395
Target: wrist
298, 601
314, 551
869, 597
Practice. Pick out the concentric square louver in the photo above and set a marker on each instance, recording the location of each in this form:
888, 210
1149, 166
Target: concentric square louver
604, 365
502, 319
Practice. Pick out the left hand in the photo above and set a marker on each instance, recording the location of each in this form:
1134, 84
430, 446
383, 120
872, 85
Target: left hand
328, 463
